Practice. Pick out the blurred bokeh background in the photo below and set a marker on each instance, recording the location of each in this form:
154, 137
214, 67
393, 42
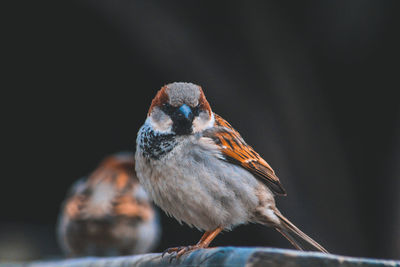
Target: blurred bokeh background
312, 85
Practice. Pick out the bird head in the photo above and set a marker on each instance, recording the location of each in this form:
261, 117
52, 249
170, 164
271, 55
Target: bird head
180, 108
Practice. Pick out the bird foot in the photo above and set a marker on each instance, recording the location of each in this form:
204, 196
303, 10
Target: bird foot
177, 252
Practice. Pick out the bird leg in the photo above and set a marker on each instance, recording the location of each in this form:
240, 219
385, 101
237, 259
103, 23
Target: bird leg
204, 242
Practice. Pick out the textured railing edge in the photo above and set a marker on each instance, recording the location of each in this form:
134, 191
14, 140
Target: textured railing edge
222, 256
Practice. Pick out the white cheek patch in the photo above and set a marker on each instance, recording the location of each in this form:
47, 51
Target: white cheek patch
162, 126
160, 122
203, 122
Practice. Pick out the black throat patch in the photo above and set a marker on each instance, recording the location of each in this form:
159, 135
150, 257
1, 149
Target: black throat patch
155, 145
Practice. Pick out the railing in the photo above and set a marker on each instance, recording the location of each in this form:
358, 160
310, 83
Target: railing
222, 256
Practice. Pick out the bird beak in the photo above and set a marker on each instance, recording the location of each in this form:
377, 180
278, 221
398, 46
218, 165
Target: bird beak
186, 111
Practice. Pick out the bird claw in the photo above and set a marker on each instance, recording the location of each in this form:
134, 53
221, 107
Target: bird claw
171, 250
177, 252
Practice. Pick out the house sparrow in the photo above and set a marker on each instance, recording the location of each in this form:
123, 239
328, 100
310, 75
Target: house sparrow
109, 213
198, 169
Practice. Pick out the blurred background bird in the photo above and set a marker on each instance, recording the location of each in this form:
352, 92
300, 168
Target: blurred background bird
109, 213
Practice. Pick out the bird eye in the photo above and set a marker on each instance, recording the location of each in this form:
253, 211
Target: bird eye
167, 108
196, 110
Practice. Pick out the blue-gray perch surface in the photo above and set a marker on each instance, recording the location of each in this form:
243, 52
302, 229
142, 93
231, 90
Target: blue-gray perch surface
222, 256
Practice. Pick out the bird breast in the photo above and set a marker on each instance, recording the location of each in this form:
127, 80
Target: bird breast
193, 184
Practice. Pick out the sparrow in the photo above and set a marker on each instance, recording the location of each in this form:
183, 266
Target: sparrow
198, 169
108, 213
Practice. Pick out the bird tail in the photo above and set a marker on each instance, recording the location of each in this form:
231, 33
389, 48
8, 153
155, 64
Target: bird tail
295, 236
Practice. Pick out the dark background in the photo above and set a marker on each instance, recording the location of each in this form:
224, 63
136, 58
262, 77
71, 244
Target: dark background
312, 85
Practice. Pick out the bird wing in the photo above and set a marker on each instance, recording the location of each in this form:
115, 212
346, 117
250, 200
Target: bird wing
236, 151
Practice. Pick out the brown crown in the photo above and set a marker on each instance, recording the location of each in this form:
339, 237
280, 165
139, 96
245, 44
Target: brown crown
162, 98
203, 103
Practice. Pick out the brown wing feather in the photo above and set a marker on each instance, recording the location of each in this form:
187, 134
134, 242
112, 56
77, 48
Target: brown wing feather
236, 151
